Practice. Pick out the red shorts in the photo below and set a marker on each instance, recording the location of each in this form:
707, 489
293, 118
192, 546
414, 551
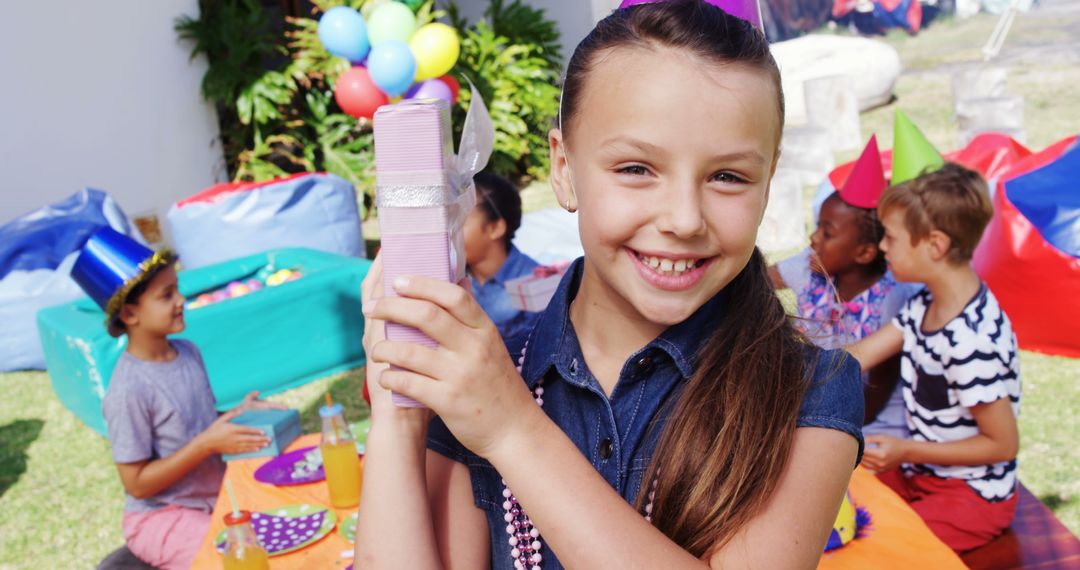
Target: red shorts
953, 510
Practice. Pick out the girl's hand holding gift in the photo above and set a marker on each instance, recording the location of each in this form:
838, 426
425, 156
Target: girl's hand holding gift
415, 419
469, 380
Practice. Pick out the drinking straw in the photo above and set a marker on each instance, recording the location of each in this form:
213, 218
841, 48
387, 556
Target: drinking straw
232, 498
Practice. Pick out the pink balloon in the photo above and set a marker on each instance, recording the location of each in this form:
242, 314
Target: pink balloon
748, 10
431, 89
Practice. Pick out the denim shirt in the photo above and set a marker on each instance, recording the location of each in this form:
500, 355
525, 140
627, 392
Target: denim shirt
492, 295
615, 434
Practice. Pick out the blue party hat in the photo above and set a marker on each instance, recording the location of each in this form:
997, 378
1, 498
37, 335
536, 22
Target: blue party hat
111, 264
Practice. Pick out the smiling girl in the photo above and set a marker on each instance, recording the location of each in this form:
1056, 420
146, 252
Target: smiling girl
665, 414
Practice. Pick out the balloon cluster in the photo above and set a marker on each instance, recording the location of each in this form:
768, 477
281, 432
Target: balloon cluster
391, 57
240, 288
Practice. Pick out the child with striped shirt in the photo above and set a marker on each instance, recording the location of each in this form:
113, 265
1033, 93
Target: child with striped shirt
960, 369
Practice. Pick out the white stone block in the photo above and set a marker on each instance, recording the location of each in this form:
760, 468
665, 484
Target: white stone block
784, 225
807, 151
831, 103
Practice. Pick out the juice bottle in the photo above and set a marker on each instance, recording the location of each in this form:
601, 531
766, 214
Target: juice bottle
242, 548
340, 460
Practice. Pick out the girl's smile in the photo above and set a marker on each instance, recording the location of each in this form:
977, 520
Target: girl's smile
668, 271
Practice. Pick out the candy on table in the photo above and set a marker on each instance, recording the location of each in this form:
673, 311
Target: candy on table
311, 463
253, 284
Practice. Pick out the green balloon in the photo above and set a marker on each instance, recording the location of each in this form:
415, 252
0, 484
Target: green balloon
391, 21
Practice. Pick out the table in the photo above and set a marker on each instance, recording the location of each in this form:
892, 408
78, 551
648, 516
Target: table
254, 496
897, 538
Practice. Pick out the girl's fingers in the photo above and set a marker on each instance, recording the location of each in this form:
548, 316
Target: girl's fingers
372, 285
428, 317
411, 356
454, 298
416, 386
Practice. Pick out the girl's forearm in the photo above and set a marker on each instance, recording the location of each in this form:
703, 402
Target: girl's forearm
395, 528
579, 515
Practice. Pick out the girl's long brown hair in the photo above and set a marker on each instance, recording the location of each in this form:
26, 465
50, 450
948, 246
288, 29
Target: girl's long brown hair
726, 442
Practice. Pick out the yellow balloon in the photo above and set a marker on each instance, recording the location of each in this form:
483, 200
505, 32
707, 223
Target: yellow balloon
436, 47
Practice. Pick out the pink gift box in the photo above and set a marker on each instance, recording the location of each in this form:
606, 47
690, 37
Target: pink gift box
422, 201
533, 292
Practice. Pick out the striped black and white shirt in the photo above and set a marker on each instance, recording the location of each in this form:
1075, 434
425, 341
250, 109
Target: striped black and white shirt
972, 360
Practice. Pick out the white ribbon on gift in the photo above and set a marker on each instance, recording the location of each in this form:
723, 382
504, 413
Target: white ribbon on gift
474, 151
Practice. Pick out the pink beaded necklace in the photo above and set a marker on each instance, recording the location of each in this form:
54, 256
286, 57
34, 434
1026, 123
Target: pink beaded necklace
524, 539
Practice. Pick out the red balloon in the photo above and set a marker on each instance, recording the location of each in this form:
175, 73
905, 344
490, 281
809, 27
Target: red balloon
357, 94
453, 84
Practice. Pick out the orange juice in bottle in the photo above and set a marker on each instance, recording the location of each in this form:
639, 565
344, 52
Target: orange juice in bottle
340, 459
242, 548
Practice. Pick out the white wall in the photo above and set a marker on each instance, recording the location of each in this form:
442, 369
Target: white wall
102, 94
575, 17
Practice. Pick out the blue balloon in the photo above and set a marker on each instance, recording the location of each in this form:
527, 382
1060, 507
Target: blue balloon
392, 67
343, 33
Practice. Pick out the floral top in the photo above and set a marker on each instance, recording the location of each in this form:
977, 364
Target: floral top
831, 323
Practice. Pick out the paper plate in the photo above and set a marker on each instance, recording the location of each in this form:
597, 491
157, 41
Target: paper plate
279, 470
287, 528
347, 528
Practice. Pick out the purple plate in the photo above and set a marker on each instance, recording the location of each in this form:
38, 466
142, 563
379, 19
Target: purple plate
278, 471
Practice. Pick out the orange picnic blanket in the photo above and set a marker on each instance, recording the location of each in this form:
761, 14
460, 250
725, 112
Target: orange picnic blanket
897, 538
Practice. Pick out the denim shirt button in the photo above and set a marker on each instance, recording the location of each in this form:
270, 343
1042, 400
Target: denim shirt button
645, 363
605, 448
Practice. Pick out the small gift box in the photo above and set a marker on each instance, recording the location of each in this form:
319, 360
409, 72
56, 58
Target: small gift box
283, 426
424, 192
533, 292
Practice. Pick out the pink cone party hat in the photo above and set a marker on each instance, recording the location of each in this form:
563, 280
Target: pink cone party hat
748, 10
866, 183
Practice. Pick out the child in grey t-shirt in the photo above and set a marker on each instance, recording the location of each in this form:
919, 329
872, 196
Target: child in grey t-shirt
162, 422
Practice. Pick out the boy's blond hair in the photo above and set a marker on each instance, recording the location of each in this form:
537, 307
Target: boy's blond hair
953, 200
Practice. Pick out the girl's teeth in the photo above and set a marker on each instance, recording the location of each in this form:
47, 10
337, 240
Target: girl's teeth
669, 266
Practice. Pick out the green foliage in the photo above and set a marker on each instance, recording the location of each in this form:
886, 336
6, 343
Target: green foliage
235, 37
513, 58
522, 24
521, 89
278, 116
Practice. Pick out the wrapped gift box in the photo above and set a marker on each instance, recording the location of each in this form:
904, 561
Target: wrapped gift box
533, 292
270, 340
422, 201
283, 426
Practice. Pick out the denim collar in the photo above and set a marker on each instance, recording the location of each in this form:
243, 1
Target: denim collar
554, 344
